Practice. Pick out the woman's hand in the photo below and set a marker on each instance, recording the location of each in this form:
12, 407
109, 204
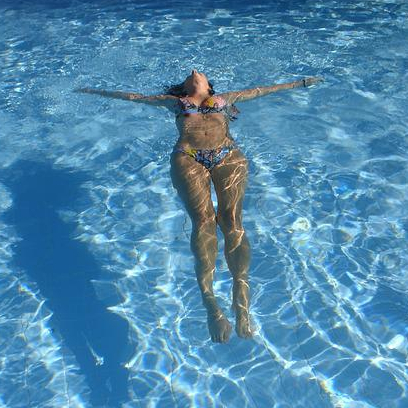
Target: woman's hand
311, 81
84, 90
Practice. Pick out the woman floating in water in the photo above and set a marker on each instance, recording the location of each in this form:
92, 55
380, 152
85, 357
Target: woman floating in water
205, 152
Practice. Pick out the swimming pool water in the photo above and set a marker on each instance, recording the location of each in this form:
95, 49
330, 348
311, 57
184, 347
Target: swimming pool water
99, 305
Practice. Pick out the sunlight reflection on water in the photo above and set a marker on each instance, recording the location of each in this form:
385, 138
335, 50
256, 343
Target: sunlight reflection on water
324, 211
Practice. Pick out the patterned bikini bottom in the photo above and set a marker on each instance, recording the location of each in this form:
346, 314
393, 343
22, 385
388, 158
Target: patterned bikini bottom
209, 158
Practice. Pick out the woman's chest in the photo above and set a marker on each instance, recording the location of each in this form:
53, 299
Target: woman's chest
200, 120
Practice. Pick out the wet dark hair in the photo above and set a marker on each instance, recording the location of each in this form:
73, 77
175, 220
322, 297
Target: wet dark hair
178, 90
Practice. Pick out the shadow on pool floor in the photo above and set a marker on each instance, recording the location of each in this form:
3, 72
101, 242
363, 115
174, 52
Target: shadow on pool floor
63, 269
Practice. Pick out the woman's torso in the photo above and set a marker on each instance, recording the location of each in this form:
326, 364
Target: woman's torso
205, 126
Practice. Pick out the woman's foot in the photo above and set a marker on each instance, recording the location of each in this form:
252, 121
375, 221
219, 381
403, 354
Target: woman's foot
242, 323
219, 327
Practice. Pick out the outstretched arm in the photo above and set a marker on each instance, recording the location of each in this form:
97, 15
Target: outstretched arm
157, 100
246, 94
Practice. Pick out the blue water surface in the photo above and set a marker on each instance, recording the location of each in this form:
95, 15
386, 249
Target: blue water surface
99, 306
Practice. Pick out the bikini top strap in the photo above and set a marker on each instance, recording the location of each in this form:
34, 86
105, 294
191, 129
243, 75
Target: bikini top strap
185, 106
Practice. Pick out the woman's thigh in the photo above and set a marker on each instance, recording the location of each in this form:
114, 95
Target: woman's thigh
193, 184
230, 179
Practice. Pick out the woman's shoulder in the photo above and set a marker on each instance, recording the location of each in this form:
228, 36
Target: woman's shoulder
226, 98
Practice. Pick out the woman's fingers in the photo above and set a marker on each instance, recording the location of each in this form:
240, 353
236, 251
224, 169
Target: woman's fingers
83, 90
312, 80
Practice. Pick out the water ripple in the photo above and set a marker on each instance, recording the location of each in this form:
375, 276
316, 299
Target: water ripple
325, 207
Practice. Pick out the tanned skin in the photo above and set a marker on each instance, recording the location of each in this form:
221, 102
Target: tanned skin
193, 184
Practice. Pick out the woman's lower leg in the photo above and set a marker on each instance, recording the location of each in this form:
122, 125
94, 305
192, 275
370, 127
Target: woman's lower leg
204, 248
238, 253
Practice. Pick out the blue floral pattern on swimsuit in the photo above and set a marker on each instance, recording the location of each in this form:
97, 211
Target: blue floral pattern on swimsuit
209, 158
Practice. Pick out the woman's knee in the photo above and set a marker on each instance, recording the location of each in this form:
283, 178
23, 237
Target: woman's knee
229, 221
203, 220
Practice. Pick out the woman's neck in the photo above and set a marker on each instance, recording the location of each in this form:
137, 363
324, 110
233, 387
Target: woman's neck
198, 97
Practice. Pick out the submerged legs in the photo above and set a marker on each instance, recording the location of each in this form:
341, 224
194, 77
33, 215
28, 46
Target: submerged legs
192, 182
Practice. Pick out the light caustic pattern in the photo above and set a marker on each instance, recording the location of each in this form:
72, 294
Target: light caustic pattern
324, 211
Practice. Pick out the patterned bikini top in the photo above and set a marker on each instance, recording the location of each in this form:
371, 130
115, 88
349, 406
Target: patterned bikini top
214, 104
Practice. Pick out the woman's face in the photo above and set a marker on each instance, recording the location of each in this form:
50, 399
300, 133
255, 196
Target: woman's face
196, 81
